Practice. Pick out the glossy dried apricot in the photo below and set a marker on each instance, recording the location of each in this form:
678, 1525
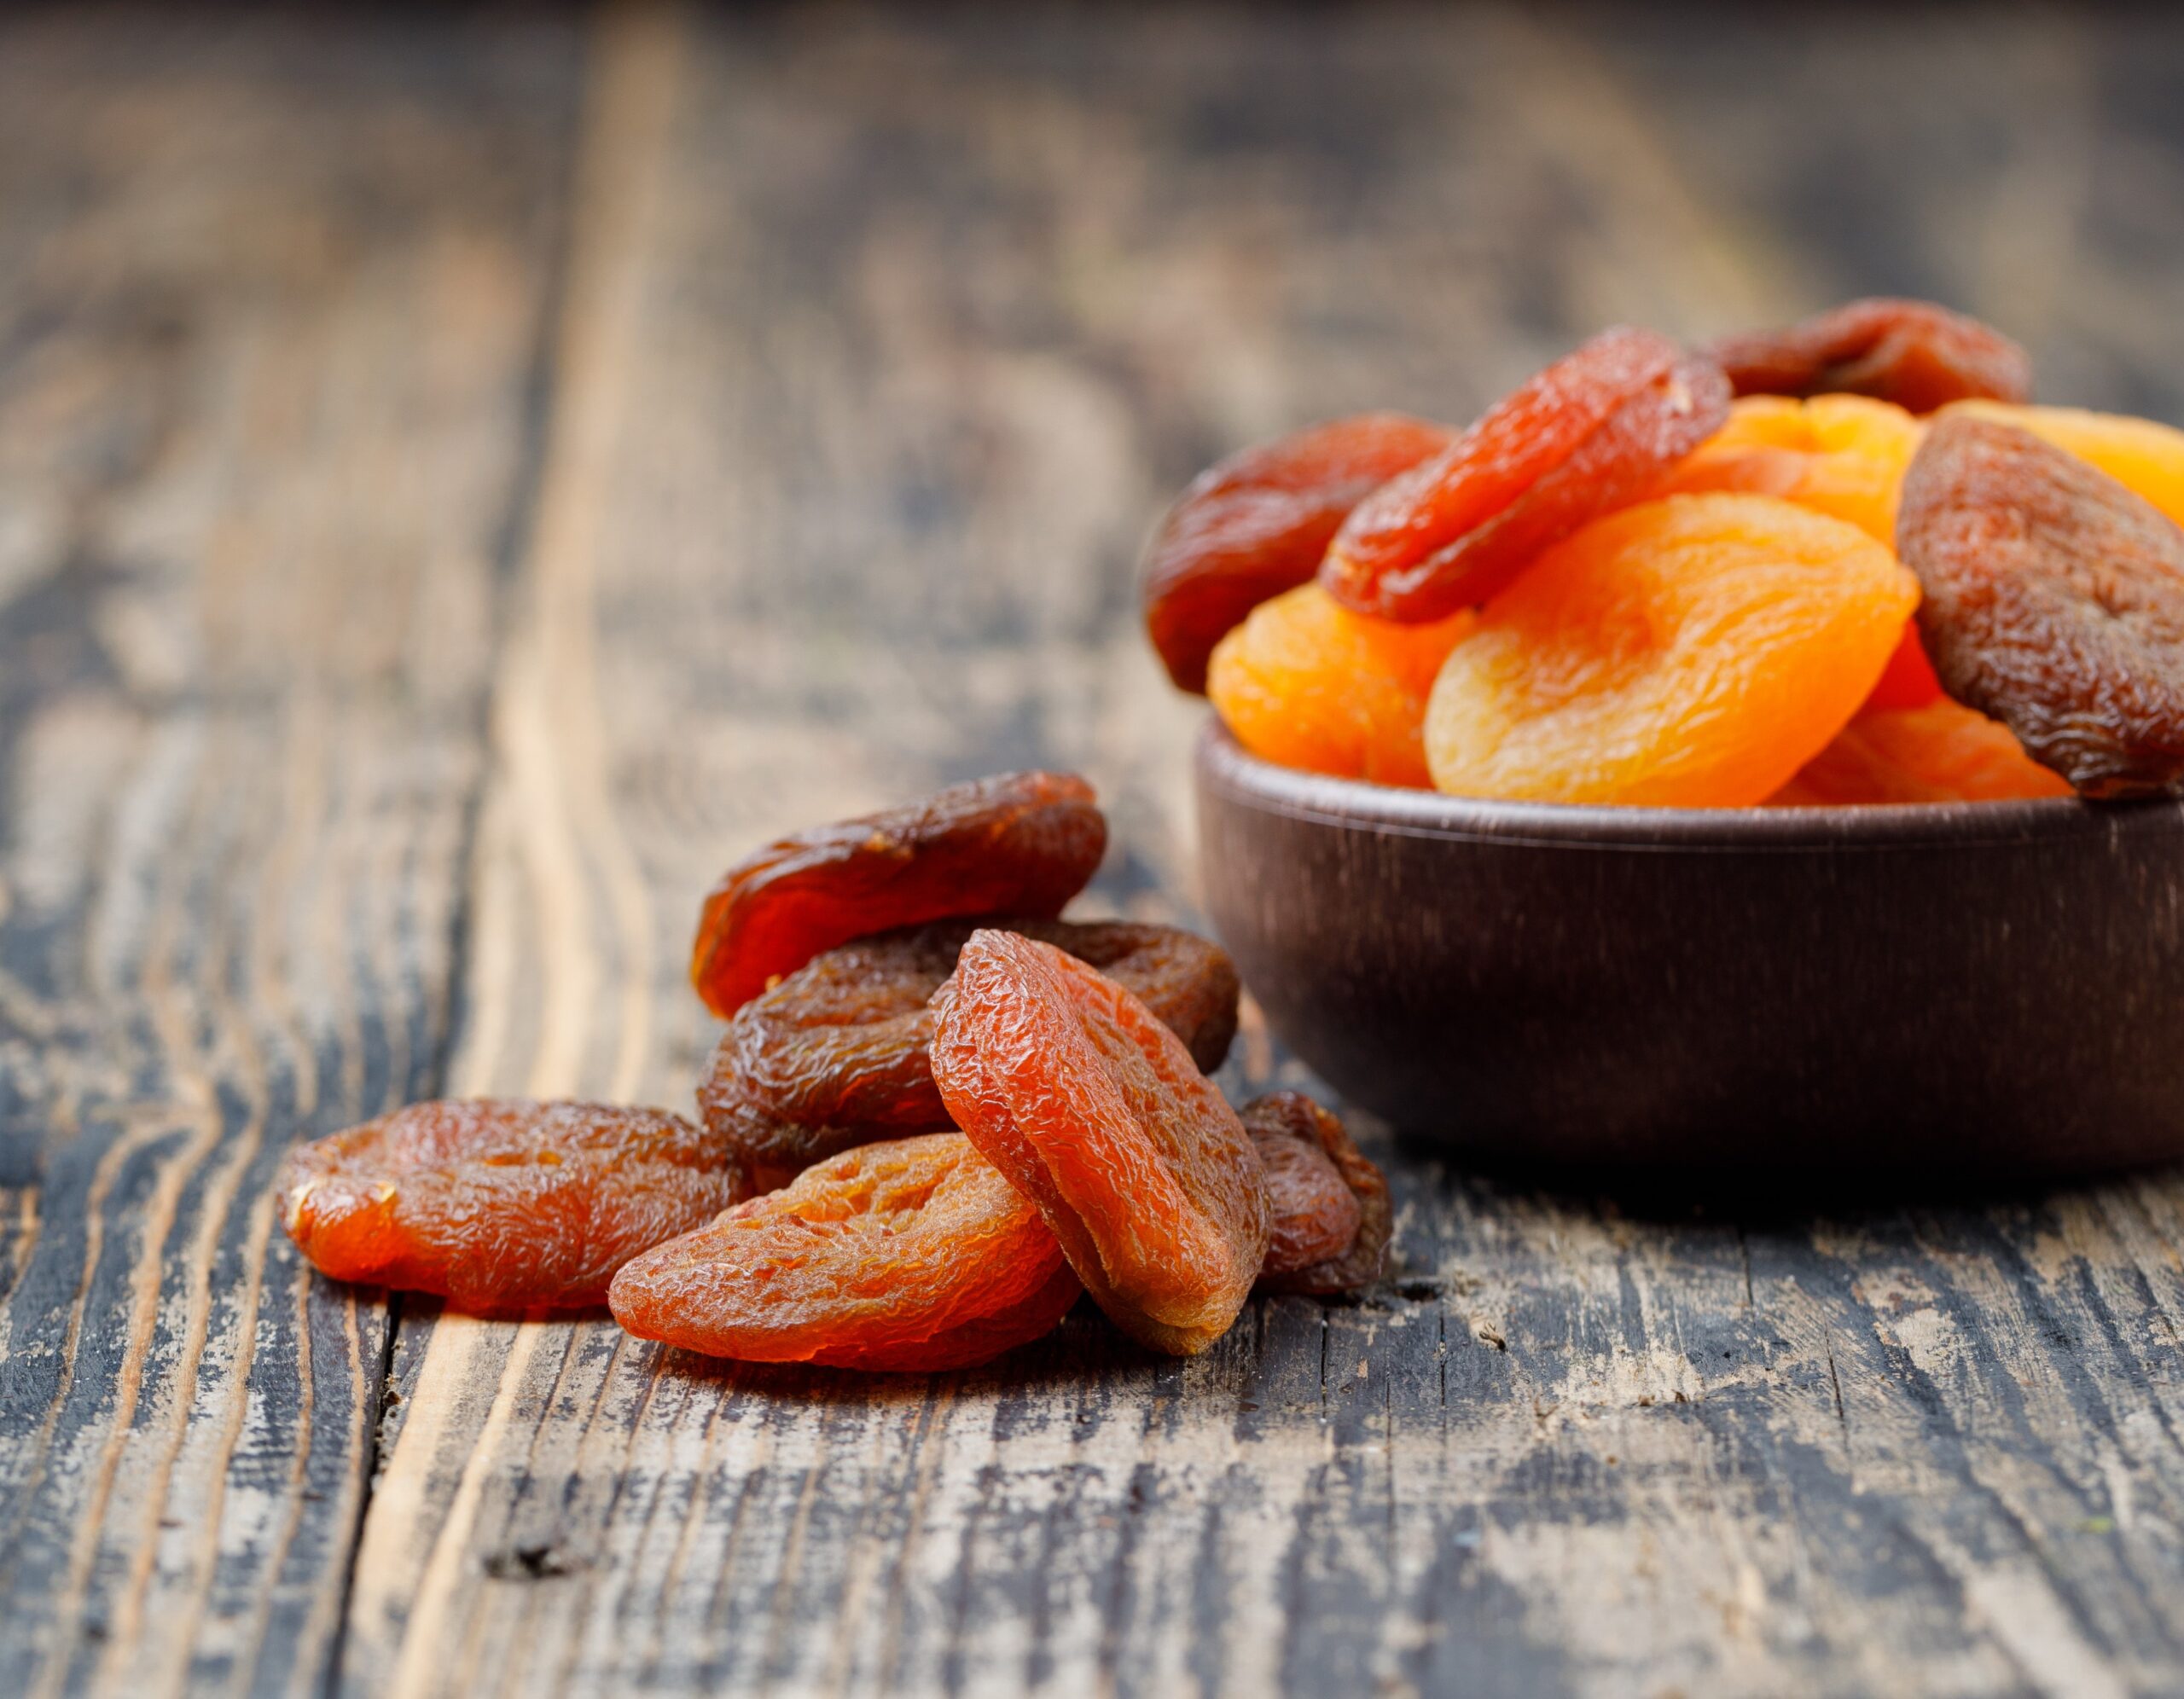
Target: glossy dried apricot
1306, 682
1909, 679
2054, 603
1942, 752
1322, 1242
1096, 1112
1015, 844
838, 1053
1693, 652
1843, 455
2144, 456
499, 1204
1592, 431
1916, 354
913, 1254
1257, 524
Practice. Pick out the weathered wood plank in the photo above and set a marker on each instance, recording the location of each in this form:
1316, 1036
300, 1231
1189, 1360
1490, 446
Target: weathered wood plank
268, 309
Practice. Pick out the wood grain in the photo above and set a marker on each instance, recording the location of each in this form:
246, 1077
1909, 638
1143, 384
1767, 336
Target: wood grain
772, 404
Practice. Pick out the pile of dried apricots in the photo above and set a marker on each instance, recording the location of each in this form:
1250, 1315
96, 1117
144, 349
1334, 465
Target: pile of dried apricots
1842, 562
939, 1115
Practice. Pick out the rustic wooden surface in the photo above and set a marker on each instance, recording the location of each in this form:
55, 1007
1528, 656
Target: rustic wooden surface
461, 480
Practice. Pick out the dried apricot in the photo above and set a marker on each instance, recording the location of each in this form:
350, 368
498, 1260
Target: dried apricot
1693, 652
2054, 603
499, 1203
1096, 1111
914, 1253
838, 1053
1940, 753
1016, 843
1916, 354
1909, 679
1331, 1212
1306, 682
1590, 432
1257, 524
1844, 454
2145, 457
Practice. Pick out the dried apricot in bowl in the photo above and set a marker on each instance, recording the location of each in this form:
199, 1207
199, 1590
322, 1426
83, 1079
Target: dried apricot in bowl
1332, 1216
1096, 1111
1689, 652
2054, 602
1916, 354
1843, 455
1257, 524
2145, 456
1015, 844
1942, 752
913, 1254
1308, 683
1592, 431
499, 1204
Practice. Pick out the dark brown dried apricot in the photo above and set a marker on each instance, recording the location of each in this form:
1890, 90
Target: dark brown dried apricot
1015, 844
1595, 430
912, 1254
1096, 1111
499, 1204
1257, 524
1918, 355
2054, 603
837, 1054
1303, 1146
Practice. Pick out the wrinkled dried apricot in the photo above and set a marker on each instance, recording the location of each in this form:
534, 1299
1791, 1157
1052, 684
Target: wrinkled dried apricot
1693, 652
1916, 354
1016, 843
1942, 752
2054, 603
1257, 524
838, 1053
1306, 682
2144, 456
1909, 679
914, 1253
1590, 432
1096, 1111
1321, 1242
499, 1203
1844, 454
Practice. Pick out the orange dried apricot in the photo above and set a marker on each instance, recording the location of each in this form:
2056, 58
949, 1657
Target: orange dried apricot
1692, 651
1943, 752
913, 1254
1844, 454
1332, 1217
1016, 843
499, 1204
1916, 354
2144, 456
1257, 524
1909, 679
1590, 432
1306, 682
1094, 1110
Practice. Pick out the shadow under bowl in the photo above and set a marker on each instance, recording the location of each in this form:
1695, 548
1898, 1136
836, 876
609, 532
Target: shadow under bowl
1994, 988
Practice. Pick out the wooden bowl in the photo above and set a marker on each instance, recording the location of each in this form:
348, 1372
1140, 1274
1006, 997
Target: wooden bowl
1991, 988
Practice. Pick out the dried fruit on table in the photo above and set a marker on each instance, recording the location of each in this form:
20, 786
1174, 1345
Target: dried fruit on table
1693, 652
2054, 603
1096, 1111
1016, 843
501, 1205
1843, 455
2141, 455
837, 1054
1942, 752
913, 1254
1592, 432
1257, 524
1306, 682
1332, 1216
1916, 354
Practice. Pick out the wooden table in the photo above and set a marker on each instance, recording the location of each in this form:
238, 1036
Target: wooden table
463, 479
